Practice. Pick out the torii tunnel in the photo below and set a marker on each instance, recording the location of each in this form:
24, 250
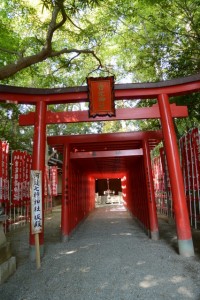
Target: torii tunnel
120, 155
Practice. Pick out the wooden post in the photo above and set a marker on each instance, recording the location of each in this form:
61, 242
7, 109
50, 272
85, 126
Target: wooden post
37, 250
150, 192
184, 235
36, 211
65, 195
38, 163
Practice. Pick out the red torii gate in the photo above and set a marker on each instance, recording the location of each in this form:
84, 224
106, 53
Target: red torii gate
161, 90
92, 147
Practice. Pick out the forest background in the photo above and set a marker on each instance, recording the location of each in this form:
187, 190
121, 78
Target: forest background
58, 43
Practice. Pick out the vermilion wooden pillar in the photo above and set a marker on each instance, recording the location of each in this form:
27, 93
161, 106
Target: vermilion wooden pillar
65, 195
38, 163
153, 220
185, 242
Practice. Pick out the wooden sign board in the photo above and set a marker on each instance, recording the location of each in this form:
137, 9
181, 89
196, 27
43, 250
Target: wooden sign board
36, 201
101, 96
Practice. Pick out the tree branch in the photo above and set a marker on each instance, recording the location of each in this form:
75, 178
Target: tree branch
11, 52
84, 51
46, 52
25, 62
66, 64
53, 25
73, 23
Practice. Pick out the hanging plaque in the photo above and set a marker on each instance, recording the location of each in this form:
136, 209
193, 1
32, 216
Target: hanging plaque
101, 96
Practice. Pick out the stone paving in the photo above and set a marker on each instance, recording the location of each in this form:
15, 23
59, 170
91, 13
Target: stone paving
108, 257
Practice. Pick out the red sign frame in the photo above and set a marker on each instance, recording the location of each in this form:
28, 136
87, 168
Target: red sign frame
4, 175
54, 180
101, 96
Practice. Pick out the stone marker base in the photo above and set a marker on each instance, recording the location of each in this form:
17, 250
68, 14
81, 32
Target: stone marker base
7, 261
7, 268
5, 252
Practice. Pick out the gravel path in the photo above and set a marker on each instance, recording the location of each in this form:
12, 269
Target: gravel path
108, 257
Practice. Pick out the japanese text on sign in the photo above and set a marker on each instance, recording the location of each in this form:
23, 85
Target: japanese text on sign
4, 178
36, 201
54, 180
101, 96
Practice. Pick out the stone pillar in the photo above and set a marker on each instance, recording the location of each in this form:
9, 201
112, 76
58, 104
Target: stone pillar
7, 261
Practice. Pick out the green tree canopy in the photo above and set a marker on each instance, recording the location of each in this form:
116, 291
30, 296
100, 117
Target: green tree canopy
54, 43
58, 43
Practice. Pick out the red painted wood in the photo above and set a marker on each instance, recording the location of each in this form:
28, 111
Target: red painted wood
65, 194
105, 175
122, 91
134, 192
153, 220
102, 154
121, 114
49, 99
176, 178
144, 93
38, 159
101, 96
105, 137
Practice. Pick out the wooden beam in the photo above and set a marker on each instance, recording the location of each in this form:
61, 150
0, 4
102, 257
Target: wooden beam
121, 114
105, 175
103, 154
105, 137
146, 90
